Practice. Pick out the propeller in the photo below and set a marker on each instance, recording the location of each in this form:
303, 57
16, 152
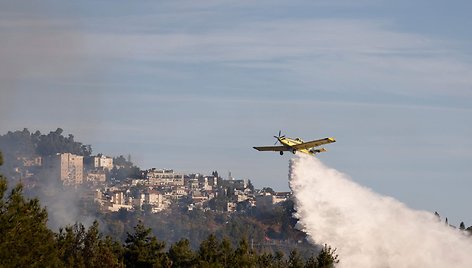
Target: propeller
278, 137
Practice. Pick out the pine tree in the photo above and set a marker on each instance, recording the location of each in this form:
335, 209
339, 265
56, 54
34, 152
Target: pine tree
265, 260
438, 218
70, 243
244, 256
110, 253
295, 260
181, 255
311, 262
25, 240
86, 248
225, 252
279, 259
208, 251
144, 250
327, 257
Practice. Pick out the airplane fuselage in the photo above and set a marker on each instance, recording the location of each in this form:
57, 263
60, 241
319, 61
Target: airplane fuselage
289, 143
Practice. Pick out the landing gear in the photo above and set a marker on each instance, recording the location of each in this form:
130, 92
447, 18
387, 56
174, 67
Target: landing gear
281, 153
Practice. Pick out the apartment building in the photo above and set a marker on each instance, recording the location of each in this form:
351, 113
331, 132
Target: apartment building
164, 177
102, 162
68, 168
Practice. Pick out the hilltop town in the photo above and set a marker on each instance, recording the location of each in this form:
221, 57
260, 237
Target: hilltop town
116, 183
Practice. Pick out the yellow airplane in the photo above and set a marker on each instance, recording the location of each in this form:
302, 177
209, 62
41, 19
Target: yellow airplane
296, 145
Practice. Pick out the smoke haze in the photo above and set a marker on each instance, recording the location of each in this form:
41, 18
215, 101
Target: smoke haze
62, 203
368, 229
44, 59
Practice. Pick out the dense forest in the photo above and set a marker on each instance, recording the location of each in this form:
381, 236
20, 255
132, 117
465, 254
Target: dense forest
26, 241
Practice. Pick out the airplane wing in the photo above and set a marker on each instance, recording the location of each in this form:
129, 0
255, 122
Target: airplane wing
315, 143
272, 148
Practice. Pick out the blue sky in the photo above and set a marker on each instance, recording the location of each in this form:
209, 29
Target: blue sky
193, 85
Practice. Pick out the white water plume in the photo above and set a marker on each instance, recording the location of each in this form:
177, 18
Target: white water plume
368, 229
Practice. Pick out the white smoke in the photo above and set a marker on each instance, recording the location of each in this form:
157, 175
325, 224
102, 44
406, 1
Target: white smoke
368, 229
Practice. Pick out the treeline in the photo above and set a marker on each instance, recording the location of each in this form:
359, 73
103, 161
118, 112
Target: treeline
19, 144
25, 143
268, 229
78, 247
26, 241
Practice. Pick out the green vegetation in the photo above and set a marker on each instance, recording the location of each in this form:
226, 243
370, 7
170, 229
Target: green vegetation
25, 239
124, 169
25, 143
268, 229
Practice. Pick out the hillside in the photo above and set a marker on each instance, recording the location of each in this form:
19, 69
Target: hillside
268, 228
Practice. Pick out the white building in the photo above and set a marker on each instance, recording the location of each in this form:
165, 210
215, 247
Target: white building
156, 199
96, 176
69, 168
268, 199
118, 198
116, 207
164, 177
103, 162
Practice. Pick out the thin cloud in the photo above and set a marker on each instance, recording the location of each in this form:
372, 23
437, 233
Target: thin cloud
309, 51
357, 50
